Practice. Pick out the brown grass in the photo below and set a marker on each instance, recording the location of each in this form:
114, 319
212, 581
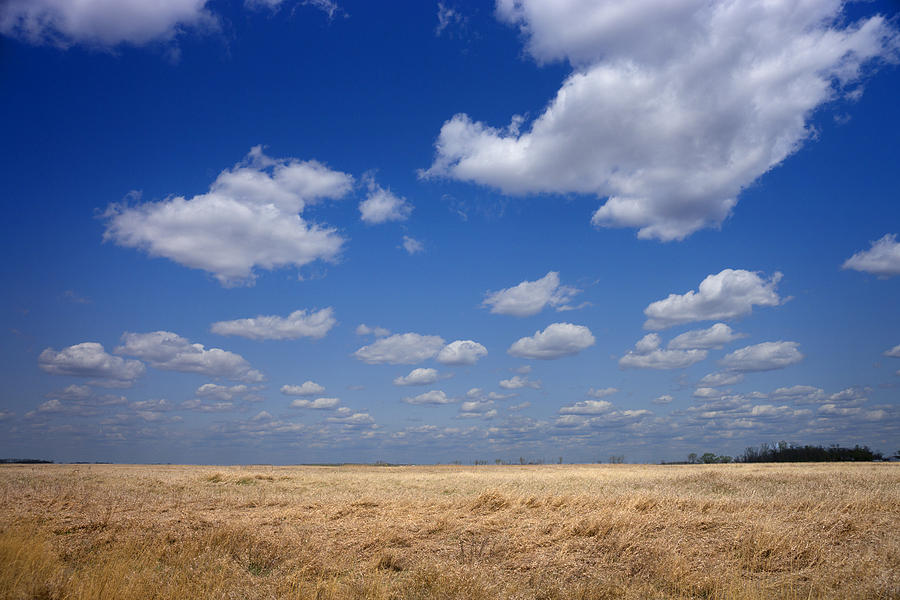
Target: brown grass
532, 532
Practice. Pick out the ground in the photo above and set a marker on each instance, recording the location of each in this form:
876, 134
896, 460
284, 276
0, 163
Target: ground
560, 531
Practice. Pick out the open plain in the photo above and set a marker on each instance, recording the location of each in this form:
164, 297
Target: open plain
591, 531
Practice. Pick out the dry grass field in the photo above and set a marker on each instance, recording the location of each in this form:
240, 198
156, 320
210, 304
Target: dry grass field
589, 532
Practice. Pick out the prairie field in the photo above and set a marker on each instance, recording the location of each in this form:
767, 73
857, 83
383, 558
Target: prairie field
758, 531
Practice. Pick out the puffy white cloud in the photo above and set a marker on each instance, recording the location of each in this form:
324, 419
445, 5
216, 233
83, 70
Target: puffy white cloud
381, 206
196, 404
882, 259
664, 399
363, 329
430, 397
728, 294
893, 352
766, 356
400, 349
352, 420
720, 379
318, 403
602, 392
713, 337
517, 382
101, 22
556, 341
72, 392
308, 388
800, 392
587, 407
156, 405
672, 108
530, 297
299, 323
89, 359
461, 352
482, 409
648, 355
249, 218
169, 351
418, 377
221, 392
412, 245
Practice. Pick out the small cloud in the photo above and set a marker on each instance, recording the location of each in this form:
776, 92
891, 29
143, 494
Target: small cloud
518, 382
317, 404
418, 377
307, 388
363, 329
882, 259
556, 341
381, 205
530, 297
431, 397
71, 296
602, 392
412, 246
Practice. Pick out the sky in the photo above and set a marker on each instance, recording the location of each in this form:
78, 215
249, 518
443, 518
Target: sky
321, 231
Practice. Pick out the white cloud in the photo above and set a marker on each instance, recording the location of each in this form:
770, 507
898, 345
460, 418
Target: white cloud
156, 405
89, 359
363, 329
329, 7
308, 388
587, 407
418, 377
461, 352
447, 17
602, 392
72, 392
701, 339
721, 378
101, 22
672, 108
249, 218
381, 206
318, 403
800, 392
430, 397
556, 341
893, 352
530, 297
648, 355
766, 356
221, 392
482, 409
664, 399
882, 259
171, 352
400, 349
299, 323
412, 246
517, 382
728, 294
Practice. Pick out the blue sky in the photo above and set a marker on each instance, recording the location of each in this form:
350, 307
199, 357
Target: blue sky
282, 231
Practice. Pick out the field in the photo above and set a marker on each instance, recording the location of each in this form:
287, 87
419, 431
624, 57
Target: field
588, 532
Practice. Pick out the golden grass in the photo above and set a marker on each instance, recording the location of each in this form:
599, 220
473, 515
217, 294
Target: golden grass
532, 532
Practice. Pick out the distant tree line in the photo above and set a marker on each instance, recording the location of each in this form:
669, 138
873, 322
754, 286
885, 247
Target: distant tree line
24, 461
784, 452
787, 452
